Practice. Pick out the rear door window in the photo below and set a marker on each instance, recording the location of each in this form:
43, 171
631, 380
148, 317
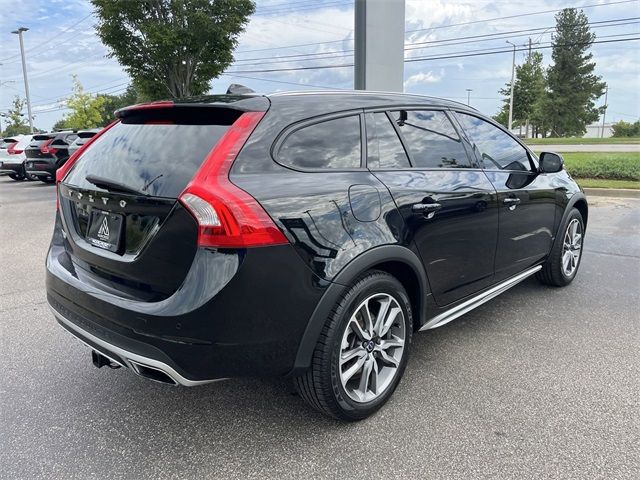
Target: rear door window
155, 159
384, 149
431, 139
331, 144
495, 148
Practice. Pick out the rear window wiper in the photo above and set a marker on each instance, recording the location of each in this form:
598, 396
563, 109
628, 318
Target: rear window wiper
110, 185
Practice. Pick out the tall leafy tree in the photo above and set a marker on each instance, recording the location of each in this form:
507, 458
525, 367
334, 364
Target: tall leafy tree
528, 93
17, 123
573, 87
172, 48
85, 108
116, 102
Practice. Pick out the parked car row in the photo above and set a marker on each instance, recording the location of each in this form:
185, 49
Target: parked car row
37, 157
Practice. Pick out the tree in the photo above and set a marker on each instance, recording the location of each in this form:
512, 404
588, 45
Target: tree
60, 125
85, 108
528, 93
626, 129
116, 102
16, 120
172, 48
573, 88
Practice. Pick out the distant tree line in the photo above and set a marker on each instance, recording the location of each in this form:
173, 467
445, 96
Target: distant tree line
560, 100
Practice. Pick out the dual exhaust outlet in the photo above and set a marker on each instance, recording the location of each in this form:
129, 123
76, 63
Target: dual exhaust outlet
152, 373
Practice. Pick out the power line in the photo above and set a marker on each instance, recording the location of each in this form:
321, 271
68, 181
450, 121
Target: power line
419, 59
49, 39
278, 81
446, 26
452, 42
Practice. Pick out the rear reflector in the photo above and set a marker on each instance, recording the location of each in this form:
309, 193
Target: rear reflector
227, 216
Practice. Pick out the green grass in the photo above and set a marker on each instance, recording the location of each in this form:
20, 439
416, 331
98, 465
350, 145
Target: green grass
609, 166
603, 166
583, 141
601, 183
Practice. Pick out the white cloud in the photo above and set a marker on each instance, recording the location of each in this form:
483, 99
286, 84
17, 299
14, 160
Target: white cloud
422, 78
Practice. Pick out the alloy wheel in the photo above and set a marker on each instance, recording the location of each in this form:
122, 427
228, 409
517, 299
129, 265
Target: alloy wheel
372, 348
572, 247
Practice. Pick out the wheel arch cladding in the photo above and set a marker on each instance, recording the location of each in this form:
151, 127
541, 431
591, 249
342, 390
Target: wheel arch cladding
581, 205
396, 260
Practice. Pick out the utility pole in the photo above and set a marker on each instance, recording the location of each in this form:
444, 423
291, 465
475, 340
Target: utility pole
469, 90
513, 73
604, 110
19, 32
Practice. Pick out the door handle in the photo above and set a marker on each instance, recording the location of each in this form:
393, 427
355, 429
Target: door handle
511, 202
426, 209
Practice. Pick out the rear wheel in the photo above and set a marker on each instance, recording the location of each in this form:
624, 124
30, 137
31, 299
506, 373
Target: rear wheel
362, 351
562, 265
16, 176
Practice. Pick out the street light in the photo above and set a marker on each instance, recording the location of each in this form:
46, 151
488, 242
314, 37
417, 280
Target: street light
513, 72
19, 32
469, 90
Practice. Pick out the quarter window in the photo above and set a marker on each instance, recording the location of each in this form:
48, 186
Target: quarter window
330, 144
431, 139
494, 148
384, 149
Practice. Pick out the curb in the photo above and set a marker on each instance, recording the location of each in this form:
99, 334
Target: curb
612, 192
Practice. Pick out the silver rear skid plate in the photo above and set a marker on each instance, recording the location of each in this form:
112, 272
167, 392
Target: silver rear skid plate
143, 366
468, 305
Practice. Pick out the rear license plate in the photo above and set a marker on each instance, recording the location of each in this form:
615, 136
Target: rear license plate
105, 230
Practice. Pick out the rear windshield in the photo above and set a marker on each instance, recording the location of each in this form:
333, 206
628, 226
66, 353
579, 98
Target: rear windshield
153, 158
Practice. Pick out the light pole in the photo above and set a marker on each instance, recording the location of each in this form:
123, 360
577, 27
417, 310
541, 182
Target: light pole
19, 32
469, 90
604, 110
513, 73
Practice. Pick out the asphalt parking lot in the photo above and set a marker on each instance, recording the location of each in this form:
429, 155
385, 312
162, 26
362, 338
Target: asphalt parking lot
538, 383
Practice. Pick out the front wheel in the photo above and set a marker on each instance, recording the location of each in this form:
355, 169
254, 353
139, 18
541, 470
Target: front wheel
562, 265
16, 176
362, 351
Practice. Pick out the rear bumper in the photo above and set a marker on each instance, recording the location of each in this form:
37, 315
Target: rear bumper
7, 168
123, 357
236, 314
41, 167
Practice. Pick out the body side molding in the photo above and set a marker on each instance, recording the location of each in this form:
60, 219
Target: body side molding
459, 310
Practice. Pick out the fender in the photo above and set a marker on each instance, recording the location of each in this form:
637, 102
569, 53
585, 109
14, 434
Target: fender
575, 198
341, 282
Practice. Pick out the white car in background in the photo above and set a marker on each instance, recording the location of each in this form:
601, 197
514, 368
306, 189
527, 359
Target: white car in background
12, 156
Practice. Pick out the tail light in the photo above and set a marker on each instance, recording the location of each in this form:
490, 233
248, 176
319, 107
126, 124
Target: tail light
227, 216
46, 149
64, 169
12, 150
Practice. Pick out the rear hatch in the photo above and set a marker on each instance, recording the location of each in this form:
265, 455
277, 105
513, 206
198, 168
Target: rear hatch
33, 150
126, 231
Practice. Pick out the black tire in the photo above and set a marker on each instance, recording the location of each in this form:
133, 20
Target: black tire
30, 177
16, 176
47, 180
320, 386
552, 272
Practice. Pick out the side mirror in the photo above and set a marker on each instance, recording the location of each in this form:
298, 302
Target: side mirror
551, 162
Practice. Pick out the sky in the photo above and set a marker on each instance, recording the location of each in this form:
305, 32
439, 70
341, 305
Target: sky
61, 41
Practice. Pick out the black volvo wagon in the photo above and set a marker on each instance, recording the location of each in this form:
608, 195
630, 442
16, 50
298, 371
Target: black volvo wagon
306, 235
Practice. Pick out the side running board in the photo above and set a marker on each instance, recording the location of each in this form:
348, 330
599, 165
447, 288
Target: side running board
459, 310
